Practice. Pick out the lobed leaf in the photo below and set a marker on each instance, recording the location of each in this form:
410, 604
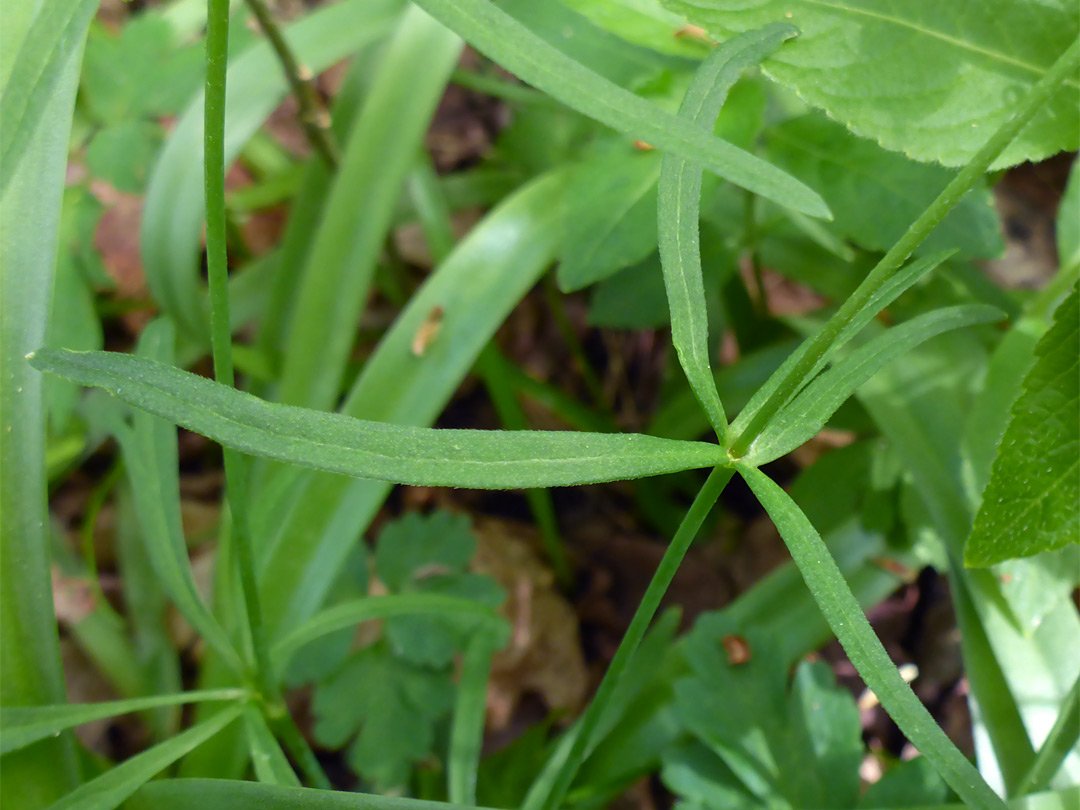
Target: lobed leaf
26, 724
1032, 501
808, 412
914, 78
498, 35
678, 211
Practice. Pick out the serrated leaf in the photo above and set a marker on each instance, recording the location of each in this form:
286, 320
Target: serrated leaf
811, 409
501, 37
337, 443
1032, 501
927, 79
442, 542
390, 706
876, 194
610, 219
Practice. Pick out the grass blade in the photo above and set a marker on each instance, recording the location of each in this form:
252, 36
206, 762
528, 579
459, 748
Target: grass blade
477, 459
378, 156
271, 765
349, 614
29, 227
679, 205
171, 236
226, 794
810, 410
114, 786
467, 732
514, 46
1059, 743
26, 724
858, 639
51, 50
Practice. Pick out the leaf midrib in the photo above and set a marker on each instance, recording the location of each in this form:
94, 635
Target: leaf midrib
939, 35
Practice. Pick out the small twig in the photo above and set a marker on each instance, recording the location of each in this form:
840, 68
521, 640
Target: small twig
313, 115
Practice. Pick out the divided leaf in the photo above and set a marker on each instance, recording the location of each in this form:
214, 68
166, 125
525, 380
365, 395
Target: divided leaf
333, 442
1032, 502
916, 79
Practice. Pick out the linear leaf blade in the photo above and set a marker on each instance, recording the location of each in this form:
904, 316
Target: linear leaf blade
678, 211
847, 620
501, 37
332, 442
1032, 501
810, 410
26, 724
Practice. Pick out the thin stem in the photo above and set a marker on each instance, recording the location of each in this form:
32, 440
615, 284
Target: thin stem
93, 509
751, 246
500, 88
570, 338
650, 602
217, 46
920, 229
1059, 743
313, 116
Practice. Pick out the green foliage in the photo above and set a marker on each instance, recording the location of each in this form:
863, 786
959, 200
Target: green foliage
918, 81
1032, 502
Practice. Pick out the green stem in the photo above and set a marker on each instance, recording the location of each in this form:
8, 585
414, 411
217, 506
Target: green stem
1059, 743
500, 88
217, 47
570, 338
920, 229
93, 509
554, 789
313, 116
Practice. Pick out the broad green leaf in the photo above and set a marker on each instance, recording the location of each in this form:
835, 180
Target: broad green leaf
123, 154
902, 280
633, 298
876, 194
225, 794
485, 276
171, 235
643, 22
610, 216
1032, 502
1068, 221
114, 786
679, 206
50, 52
811, 409
927, 80
341, 262
501, 37
29, 222
337, 443
853, 631
349, 614
911, 783
26, 724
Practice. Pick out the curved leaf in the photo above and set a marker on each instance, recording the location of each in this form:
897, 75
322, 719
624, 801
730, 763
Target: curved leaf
918, 76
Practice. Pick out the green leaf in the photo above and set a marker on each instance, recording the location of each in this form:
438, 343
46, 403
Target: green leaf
29, 222
853, 631
115, 785
172, 223
876, 194
916, 77
470, 709
511, 44
377, 158
911, 783
26, 724
267, 758
1032, 501
123, 154
389, 705
610, 217
679, 206
222, 794
808, 412
49, 52
633, 298
478, 459
1068, 221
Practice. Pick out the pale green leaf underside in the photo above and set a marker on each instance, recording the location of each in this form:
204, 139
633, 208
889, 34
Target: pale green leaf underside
923, 77
1032, 502
477, 459
26, 724
501, 37
811, 409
